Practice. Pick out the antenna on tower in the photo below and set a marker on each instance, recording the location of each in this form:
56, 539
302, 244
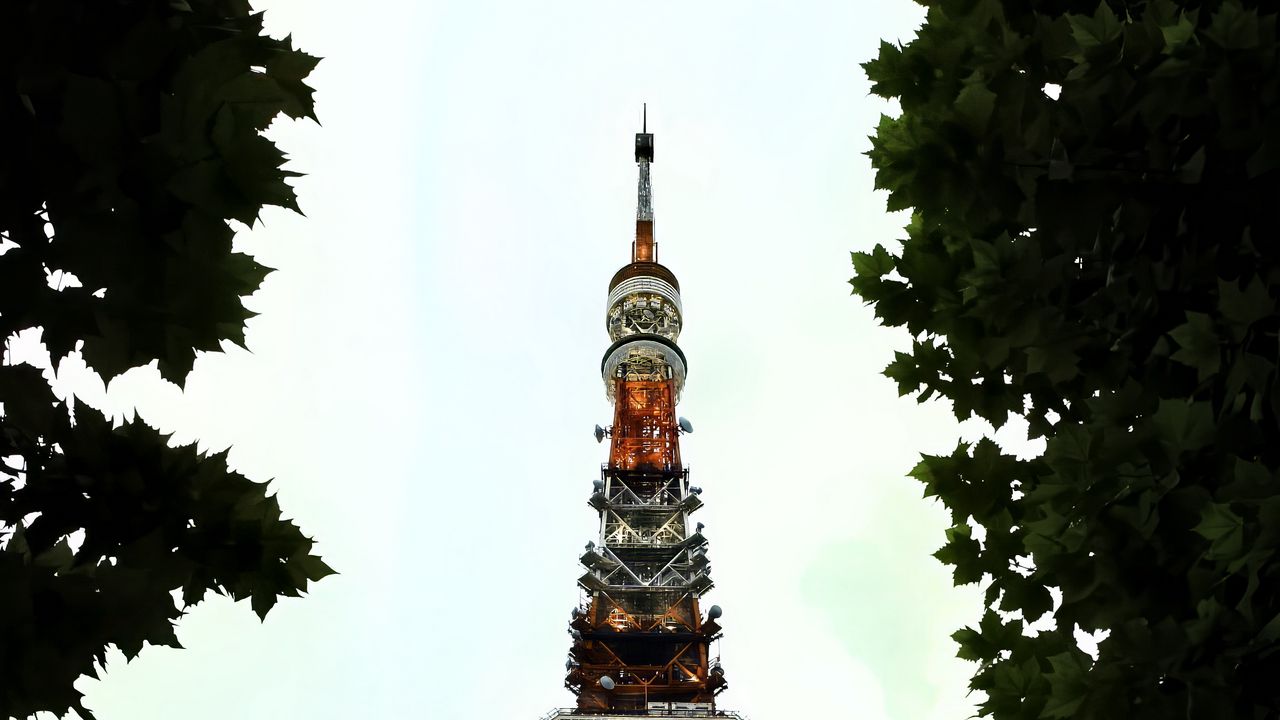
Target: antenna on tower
644, 138
644, 249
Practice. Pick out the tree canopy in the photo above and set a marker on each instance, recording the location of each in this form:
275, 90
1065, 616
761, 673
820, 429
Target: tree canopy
130, 134
1092, 247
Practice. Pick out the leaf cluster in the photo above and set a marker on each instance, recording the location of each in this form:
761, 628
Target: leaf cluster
1093, 189
133, 134
130, 137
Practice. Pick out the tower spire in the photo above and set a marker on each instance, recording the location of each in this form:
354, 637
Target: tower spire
644, 249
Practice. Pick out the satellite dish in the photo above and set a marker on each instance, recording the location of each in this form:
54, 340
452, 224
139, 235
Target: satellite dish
599, 434
700, 527
714, 612
606, 682
685, 425
570, 664
575, 613
590, 546
695, 491
597, 484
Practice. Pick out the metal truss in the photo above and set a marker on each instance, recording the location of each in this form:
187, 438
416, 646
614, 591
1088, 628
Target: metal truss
641, 625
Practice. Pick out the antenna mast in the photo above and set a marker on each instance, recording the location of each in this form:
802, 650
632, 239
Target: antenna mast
644, 249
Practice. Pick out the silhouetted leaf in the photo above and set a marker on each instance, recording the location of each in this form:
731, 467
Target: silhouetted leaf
132, 135
1101, 265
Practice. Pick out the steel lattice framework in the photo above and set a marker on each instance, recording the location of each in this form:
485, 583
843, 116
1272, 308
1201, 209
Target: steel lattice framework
640, 640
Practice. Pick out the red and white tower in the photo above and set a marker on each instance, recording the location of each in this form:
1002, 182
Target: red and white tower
640, 639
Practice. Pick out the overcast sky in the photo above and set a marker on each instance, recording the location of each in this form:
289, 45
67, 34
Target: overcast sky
424, 375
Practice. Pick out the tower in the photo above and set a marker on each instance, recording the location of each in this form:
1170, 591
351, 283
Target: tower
641, 643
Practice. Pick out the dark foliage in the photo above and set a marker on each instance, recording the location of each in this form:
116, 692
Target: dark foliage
1104, 264
130, 133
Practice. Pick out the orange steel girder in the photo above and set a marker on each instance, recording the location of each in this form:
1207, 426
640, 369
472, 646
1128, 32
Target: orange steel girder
644, 440
645, 435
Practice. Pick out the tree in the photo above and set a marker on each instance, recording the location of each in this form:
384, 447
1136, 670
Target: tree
1092, 247
131, 135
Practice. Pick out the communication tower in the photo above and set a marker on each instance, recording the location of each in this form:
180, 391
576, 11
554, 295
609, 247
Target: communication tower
641, 642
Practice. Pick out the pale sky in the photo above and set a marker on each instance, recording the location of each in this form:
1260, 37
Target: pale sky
424, 375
